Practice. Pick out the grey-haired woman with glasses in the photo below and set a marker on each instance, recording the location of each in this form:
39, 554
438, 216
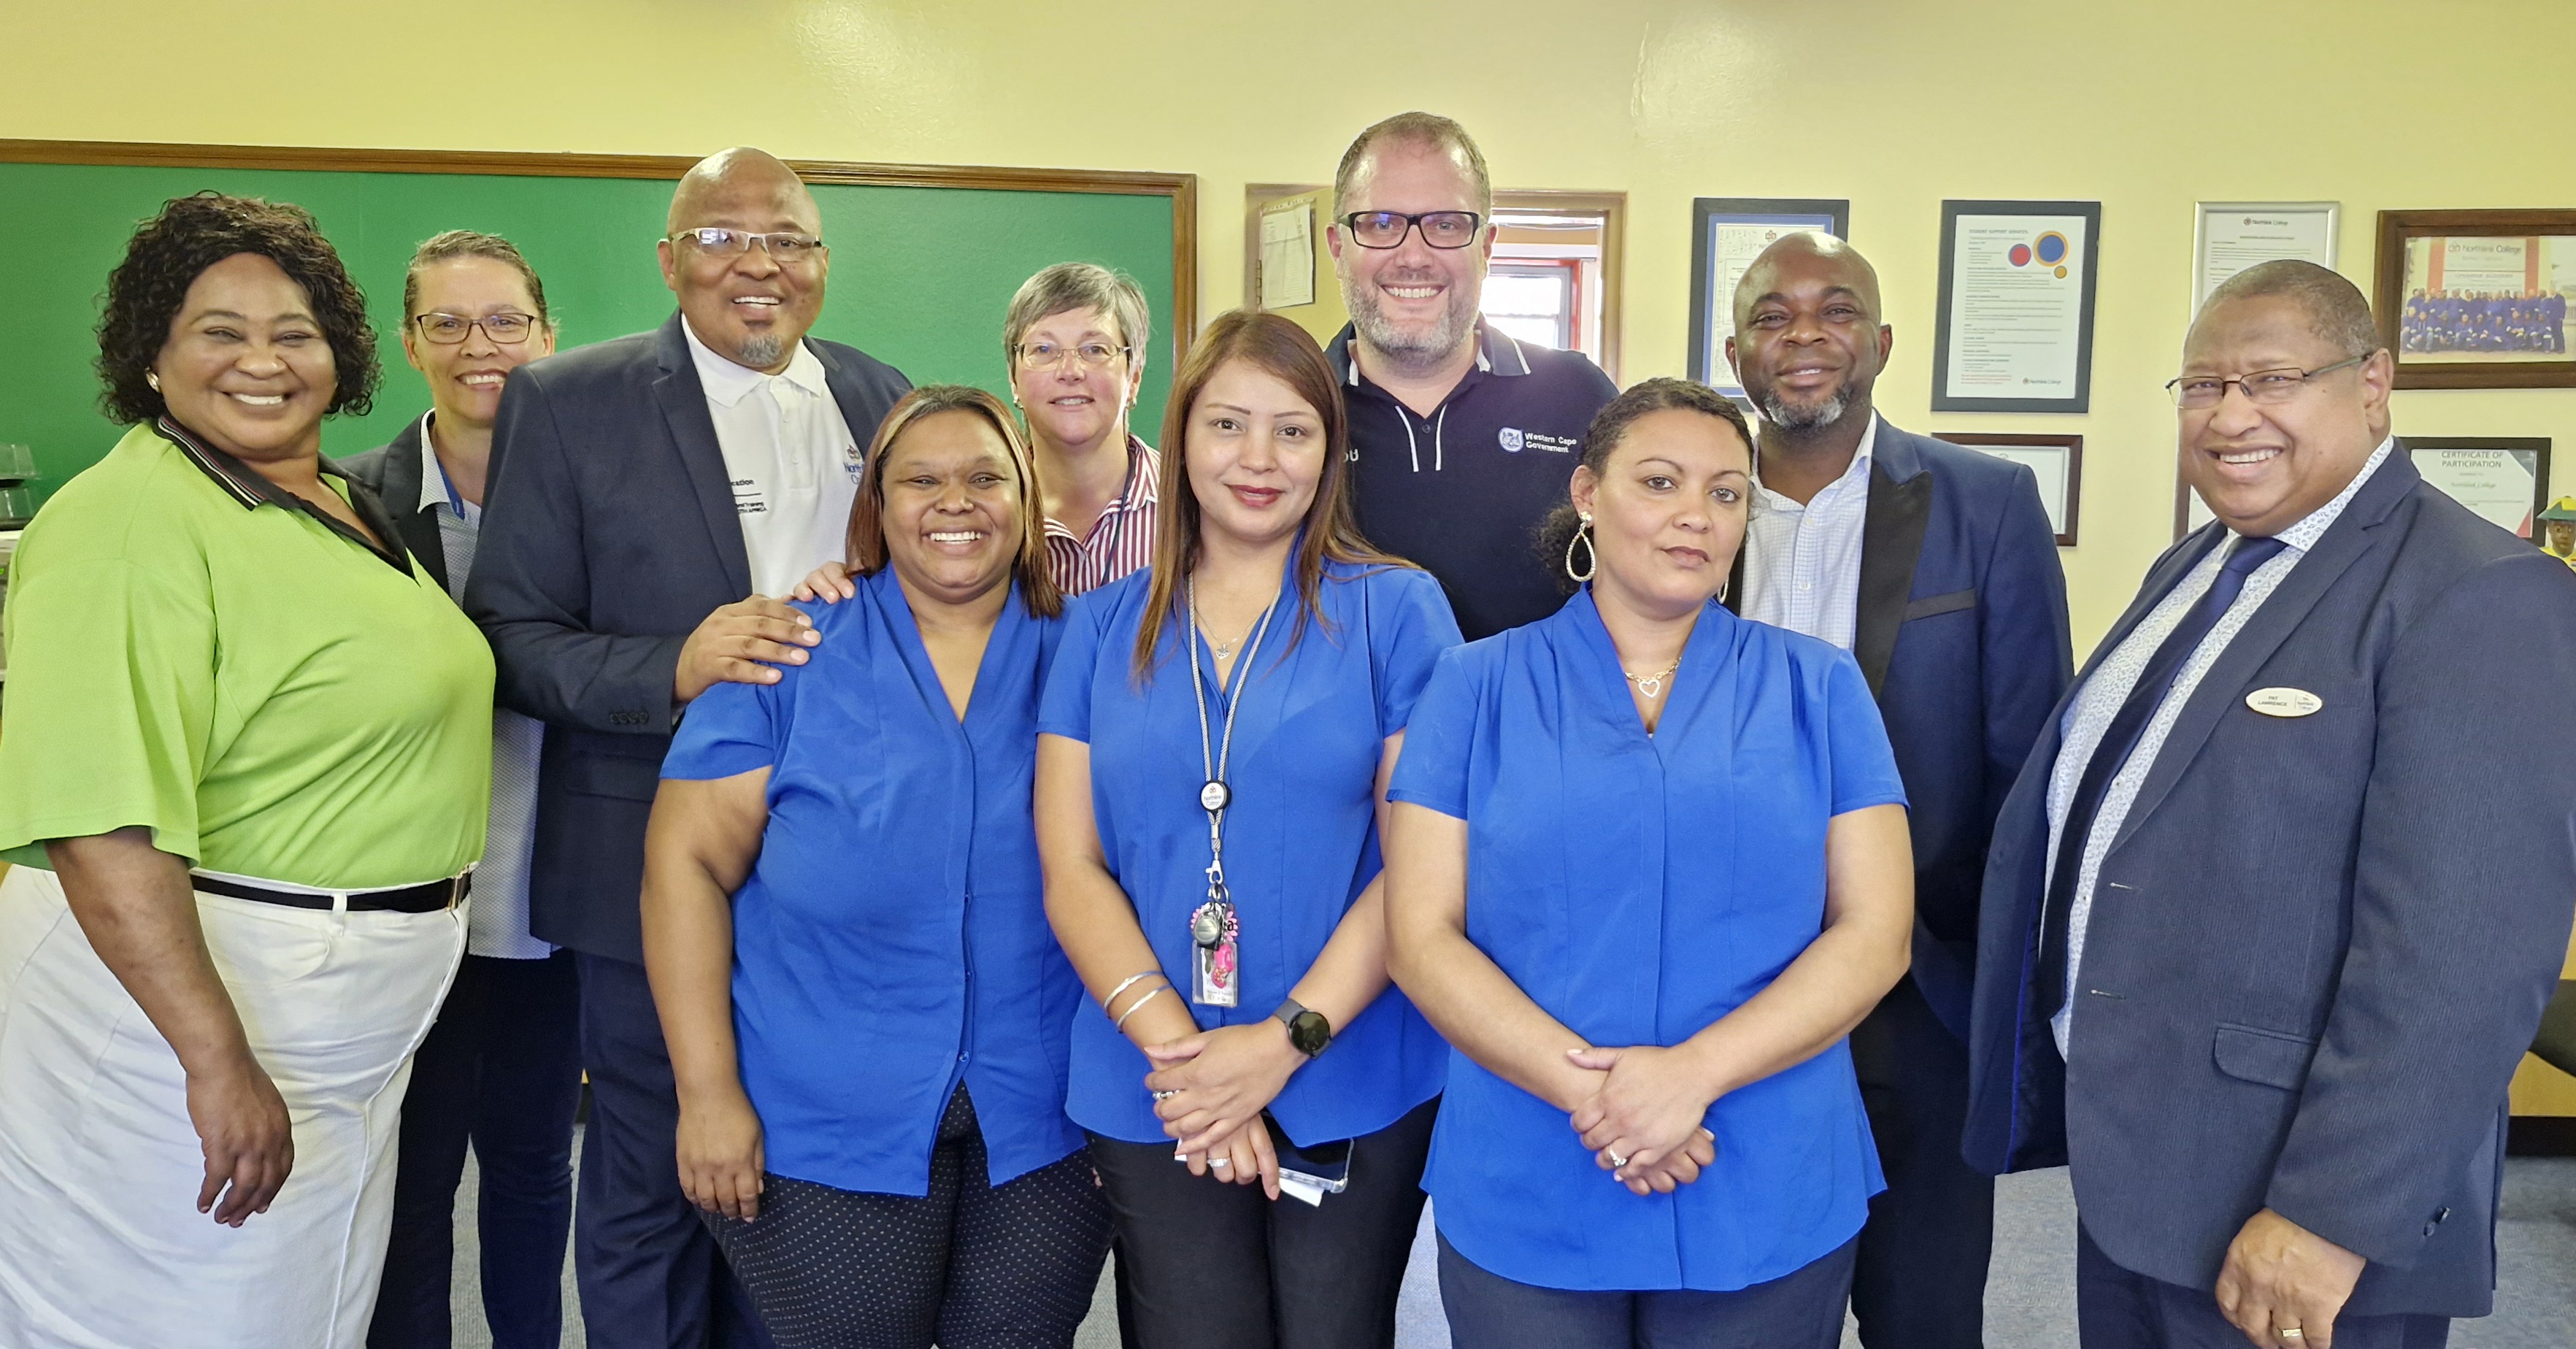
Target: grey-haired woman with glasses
502, 1065
1074, 343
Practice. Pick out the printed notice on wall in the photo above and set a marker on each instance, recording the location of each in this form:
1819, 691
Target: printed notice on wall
1288, 254
2017, 312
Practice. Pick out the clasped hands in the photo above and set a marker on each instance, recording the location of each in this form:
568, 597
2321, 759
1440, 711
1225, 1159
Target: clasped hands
1640, 1110
1209, 1091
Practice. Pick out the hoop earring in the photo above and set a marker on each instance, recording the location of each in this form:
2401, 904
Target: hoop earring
1591, 555
152, 380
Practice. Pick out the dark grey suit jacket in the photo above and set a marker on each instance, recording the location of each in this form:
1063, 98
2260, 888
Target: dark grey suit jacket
609, 537
392, 472
2318, 945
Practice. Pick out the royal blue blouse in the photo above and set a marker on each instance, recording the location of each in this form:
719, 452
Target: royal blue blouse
892, 939
1639, 888
1300, 836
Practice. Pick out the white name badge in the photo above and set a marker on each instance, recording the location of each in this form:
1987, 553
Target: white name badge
2285, 702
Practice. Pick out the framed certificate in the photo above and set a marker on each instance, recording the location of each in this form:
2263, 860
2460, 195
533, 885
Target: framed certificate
2477, 299
2230, 236
2015, 329
2057, 460
1727, 234
2505, 479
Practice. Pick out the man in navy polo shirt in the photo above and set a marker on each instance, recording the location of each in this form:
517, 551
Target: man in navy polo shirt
1462, 438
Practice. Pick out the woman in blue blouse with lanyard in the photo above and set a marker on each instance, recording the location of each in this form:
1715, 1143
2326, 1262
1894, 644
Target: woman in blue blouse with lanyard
843, 924
1218, 734
1647, 868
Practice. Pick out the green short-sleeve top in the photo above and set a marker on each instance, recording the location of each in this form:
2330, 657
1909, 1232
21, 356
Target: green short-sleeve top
192, 649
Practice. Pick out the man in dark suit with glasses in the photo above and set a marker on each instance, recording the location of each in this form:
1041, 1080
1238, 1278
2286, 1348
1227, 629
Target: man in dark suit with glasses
654, 497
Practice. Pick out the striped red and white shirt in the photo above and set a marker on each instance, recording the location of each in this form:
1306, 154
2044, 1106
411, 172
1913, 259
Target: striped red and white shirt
1121, 540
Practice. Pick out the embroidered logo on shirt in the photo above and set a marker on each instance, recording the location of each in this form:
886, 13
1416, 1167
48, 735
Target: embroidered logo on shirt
853, 461
1512, 440
1538, 440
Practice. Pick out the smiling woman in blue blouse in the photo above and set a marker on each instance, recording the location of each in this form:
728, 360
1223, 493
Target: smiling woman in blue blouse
1647, 868
1218, 734
843, 923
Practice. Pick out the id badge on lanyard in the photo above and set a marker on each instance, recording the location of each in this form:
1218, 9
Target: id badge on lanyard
1215, 929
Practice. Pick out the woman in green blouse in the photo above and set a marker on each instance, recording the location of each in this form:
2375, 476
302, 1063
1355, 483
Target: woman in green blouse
247, 752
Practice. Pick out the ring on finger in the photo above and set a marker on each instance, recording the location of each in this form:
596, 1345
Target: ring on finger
2292, 1333
1616, 1161
1167, 1095
1220, 1161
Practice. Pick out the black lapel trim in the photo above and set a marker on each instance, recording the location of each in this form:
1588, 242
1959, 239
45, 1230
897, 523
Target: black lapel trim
1891, 542
244, 485
402, 479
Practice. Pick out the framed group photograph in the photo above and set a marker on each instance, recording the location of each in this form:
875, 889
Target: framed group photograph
2057, 460
2477, 299
1727, 234
2015, 328
2504, 479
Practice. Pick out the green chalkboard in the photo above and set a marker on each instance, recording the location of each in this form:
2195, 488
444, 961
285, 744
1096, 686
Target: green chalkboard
924, 260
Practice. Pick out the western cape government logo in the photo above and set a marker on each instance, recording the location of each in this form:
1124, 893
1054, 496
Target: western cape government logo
1514, 440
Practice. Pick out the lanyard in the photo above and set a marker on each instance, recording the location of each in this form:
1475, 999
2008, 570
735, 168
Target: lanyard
1214, 793
1213, 926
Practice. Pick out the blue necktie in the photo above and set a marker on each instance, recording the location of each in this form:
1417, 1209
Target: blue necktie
2117, 742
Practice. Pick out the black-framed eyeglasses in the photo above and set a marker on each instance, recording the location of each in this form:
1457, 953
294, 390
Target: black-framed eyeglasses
2195, 392
1048, 355
446, 330
786, 248
1386, 229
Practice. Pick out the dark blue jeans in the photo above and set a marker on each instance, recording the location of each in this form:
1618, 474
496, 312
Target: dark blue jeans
1802, 1309
500, 1068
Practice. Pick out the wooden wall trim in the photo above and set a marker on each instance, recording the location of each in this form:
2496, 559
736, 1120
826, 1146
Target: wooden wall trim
1182, 188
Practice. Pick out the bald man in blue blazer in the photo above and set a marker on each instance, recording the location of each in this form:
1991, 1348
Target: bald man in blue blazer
2273, 911
1936, 567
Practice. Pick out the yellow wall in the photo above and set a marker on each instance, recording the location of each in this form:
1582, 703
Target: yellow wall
1893, 103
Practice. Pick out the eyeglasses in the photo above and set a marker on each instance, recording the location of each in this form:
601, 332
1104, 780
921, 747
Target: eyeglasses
1047, 355
447, 330
785, 249
2197, 392
1386, 229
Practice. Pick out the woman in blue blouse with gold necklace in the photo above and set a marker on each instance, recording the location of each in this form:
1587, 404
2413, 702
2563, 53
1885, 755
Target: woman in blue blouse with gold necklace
844, 927
1217, 735
1647, 868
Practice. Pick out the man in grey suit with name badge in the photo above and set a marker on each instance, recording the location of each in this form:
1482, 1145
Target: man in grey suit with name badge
2274, 908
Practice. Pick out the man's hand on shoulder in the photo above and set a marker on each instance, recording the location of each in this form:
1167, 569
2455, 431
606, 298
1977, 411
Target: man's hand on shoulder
742, 643
2283, 1285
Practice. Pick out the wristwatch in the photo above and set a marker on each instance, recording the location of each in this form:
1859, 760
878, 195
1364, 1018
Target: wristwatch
1308, 1032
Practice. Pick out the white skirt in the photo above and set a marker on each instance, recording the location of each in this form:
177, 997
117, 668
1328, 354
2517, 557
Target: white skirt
101, 1243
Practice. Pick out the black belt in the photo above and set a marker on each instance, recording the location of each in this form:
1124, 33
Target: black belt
427, 898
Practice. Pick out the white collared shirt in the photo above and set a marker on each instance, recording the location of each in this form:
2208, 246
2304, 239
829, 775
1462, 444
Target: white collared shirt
792, 459
496, 916
2090, 715
1802, 561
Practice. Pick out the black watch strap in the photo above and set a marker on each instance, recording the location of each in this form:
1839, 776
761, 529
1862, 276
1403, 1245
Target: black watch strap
1308, 1031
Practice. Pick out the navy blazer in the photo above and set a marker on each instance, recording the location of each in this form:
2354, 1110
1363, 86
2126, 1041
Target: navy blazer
609, 537
392, 472
1963, 636
2318, 945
